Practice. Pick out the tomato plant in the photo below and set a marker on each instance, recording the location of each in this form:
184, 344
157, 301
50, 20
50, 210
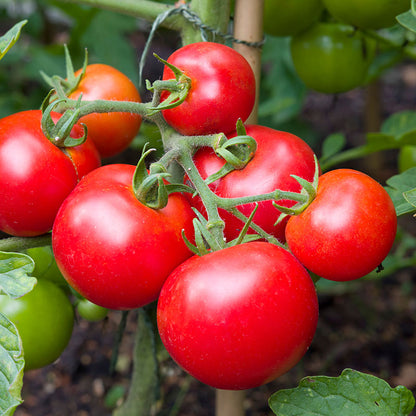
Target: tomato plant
331, 57
35, 175
90, 311
44, 318
222, 90
112, 249
279, 154
239, 317
288, 18
349, 228
407, 158
111, 132
45, 265
369, 14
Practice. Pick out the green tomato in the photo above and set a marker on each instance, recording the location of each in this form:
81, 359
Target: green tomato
45, 265
407, 158
332, 57
90, 311
44, 318
290, 17
367, 14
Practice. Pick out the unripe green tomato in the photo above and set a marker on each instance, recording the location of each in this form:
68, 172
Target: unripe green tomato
367, 14
290, 17
45, 265
90, 311
407, 158
332, 57
44, 318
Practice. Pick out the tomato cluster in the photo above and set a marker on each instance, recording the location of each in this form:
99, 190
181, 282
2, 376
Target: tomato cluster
240, 312
330, 48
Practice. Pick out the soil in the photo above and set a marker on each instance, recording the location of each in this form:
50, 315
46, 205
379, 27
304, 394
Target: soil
369, 326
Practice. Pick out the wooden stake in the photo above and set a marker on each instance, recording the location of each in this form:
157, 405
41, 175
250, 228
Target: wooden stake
248, 26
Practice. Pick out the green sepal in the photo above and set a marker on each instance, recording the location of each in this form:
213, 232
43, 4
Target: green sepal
148, 186
243, 236
65, 86
60, 133
237, 152
178, 88
10, 38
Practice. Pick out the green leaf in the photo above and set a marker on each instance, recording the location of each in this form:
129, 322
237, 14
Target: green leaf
333, 144
14, 274
10, 38
410, 197
282, 92
12, 364
400, 185
407, 20
400, 123
351, 394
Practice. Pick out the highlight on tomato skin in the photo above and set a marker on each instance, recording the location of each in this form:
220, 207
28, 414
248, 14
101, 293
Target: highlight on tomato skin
239, 317
349, 228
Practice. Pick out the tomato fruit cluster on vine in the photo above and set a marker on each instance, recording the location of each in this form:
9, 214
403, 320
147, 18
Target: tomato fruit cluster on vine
236, 317
331, 51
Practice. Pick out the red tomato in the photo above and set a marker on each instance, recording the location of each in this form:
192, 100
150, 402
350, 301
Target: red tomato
35, 175
279, 154
113, 250
239, 317
223, 89
349, 228
111, 132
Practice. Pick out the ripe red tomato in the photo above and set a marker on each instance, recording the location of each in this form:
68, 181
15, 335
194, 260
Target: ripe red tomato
44, 318
223, 89
112, 249
279, 154
111, 132
239, 317
348, 229
35, 175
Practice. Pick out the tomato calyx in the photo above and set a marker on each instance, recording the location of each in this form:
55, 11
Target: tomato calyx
60, 133
65, 86
304, 198
178, 89
150, 186
237, 152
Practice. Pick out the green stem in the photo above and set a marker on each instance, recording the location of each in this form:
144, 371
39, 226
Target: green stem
276, 195
268, 237
145, 379
144, 9
23, 243
215, 223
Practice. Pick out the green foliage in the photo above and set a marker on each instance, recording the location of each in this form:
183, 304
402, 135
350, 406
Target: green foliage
10, 38
351, 394
12, 364
402, 190
14, 274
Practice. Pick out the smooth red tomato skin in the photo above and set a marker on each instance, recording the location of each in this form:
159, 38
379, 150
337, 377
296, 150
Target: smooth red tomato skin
112, 249
35, 175
279, 154
239, 317
223, 89
348, 229
111, 132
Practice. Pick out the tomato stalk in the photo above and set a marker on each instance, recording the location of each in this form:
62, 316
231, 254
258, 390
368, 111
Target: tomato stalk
23, 243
